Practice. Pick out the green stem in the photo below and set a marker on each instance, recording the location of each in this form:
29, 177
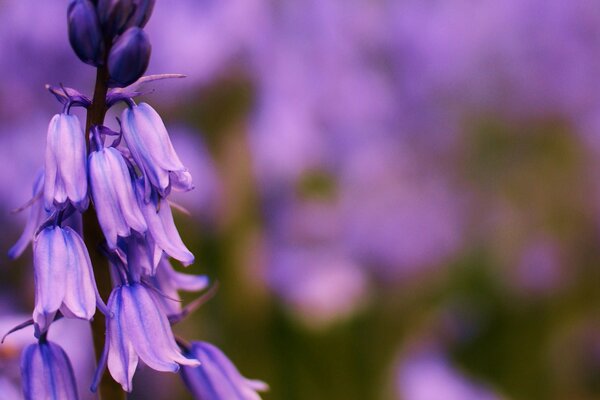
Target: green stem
108, 389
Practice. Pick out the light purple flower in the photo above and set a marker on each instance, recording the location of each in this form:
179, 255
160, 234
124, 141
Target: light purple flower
428, 375
47, 373
158, 216
65, 170
217, 378
151, 148
138, 329
37, 214
116, 206
168, 282
63, 276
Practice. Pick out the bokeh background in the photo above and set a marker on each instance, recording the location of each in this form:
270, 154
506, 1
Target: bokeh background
400, 199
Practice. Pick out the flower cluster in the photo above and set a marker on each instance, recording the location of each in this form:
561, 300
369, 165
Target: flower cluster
124, 178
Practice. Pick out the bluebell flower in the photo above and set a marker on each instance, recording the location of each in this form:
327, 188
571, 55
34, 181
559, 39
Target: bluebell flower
116, 206
47, 373
217, 378
151, 148
84, 32
65, 165
169, 282
138, 329
63, 276
158, 216
129, 57
37, 214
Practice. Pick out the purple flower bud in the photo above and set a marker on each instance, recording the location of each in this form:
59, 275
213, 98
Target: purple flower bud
112, 192
138, 329
217, 378
63, 276
129, 57
65, 170
47, 373
84, 32
114, 14
151, 148
157, 213
143, 11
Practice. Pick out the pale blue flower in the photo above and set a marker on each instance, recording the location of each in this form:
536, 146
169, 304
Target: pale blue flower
65, 170
63, 276
116, 206
138, 329
217, 378
47, 373
151, 148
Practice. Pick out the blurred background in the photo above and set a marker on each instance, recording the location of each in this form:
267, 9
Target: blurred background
400, 199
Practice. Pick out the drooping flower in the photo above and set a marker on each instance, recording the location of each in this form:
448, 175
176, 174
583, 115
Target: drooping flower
168, 282
63, 276
112, 192
158, 216
65, 167
217, 378
37, 213
138, 329
151, 148
47, 373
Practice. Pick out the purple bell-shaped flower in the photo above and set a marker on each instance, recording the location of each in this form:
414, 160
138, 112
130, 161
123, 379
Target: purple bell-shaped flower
47, 373
116, 206
217, 378
64, 279
138, 329
65, 178
151, 148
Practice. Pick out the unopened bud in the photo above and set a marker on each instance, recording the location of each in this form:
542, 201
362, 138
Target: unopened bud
84, 32
129, 57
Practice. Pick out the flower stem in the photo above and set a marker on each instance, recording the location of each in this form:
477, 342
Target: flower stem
108, 388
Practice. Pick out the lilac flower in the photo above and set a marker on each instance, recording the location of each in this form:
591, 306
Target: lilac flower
65, 170
63, 276
138, 329
157, 213
151, 148
112, 192
217, 378
47, 373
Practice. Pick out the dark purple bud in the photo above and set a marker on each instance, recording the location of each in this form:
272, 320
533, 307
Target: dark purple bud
114, 15
129, 57
143, 11
84, 32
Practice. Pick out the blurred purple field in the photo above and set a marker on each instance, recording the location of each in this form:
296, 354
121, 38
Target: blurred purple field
399, 199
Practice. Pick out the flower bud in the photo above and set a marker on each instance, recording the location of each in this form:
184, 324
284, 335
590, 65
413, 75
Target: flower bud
84, 32
114, 14
129, 57
143, 11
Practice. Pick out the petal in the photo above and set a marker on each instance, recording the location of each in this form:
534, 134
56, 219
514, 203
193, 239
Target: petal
50, 167
122, 359
149, 330
47, 373
50, 260
80, 294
